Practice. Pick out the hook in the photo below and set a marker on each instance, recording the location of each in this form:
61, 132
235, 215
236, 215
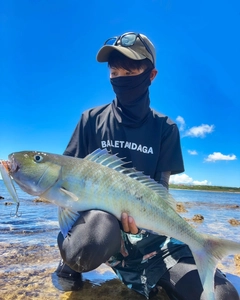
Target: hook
16, 213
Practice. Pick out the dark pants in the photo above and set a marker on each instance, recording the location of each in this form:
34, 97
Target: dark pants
182, 282
95, 237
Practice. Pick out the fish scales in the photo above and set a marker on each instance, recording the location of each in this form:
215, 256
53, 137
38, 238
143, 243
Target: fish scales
117, 193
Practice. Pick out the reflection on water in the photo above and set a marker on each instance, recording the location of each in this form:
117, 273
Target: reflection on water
29, 253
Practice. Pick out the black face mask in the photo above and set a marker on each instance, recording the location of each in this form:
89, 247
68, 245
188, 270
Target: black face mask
131, 107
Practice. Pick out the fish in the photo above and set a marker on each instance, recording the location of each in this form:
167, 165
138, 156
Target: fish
100, 181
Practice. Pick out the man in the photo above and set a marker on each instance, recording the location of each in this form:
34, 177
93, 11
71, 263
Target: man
149, 142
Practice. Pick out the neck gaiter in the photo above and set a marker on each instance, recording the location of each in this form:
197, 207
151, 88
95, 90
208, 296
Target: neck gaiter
131, 106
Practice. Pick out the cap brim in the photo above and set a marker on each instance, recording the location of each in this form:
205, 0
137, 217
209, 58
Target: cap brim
105, 51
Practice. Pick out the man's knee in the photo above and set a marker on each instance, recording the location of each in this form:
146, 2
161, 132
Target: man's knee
224, 289
93, 239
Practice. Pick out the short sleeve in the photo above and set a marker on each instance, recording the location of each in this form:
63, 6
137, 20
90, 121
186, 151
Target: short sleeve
170, 158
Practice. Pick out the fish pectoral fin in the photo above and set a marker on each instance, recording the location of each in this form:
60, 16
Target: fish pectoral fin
66, 219
69, 194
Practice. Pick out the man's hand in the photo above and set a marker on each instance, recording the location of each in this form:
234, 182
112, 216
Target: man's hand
128, 223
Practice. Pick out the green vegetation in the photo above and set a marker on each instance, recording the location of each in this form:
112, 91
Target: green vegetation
205, 188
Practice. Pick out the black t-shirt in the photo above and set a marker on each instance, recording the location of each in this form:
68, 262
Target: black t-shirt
152, 148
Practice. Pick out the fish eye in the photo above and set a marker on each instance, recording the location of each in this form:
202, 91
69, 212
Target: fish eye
38, 158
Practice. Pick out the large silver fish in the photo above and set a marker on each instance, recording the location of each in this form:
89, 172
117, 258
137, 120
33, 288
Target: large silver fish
99, 181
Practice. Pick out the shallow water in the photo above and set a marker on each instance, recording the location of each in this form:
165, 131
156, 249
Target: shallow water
216, 207
29, 254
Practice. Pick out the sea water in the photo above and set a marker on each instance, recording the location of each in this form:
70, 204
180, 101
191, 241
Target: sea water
217, 208
38, 221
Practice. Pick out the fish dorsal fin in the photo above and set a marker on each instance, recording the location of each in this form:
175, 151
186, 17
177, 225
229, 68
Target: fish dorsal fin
103, 157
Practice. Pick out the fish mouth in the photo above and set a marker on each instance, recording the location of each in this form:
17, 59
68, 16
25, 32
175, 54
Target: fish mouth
14, 169
11, 165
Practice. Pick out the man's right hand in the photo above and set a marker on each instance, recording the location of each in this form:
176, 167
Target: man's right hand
128, 223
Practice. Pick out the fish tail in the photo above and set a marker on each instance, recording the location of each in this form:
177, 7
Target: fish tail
207, 258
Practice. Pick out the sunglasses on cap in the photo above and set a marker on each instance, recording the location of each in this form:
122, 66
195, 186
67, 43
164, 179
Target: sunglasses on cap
128, 40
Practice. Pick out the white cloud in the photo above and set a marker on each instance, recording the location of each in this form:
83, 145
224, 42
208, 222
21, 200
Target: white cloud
219, 156
185, 179
195, 131
180, 179
181, 122
192, 152
203, 182
199, 131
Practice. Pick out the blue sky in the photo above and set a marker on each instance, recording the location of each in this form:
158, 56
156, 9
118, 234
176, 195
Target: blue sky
49, 74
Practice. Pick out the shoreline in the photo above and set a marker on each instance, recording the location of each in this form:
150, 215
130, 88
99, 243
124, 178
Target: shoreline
205, 188
210, 191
